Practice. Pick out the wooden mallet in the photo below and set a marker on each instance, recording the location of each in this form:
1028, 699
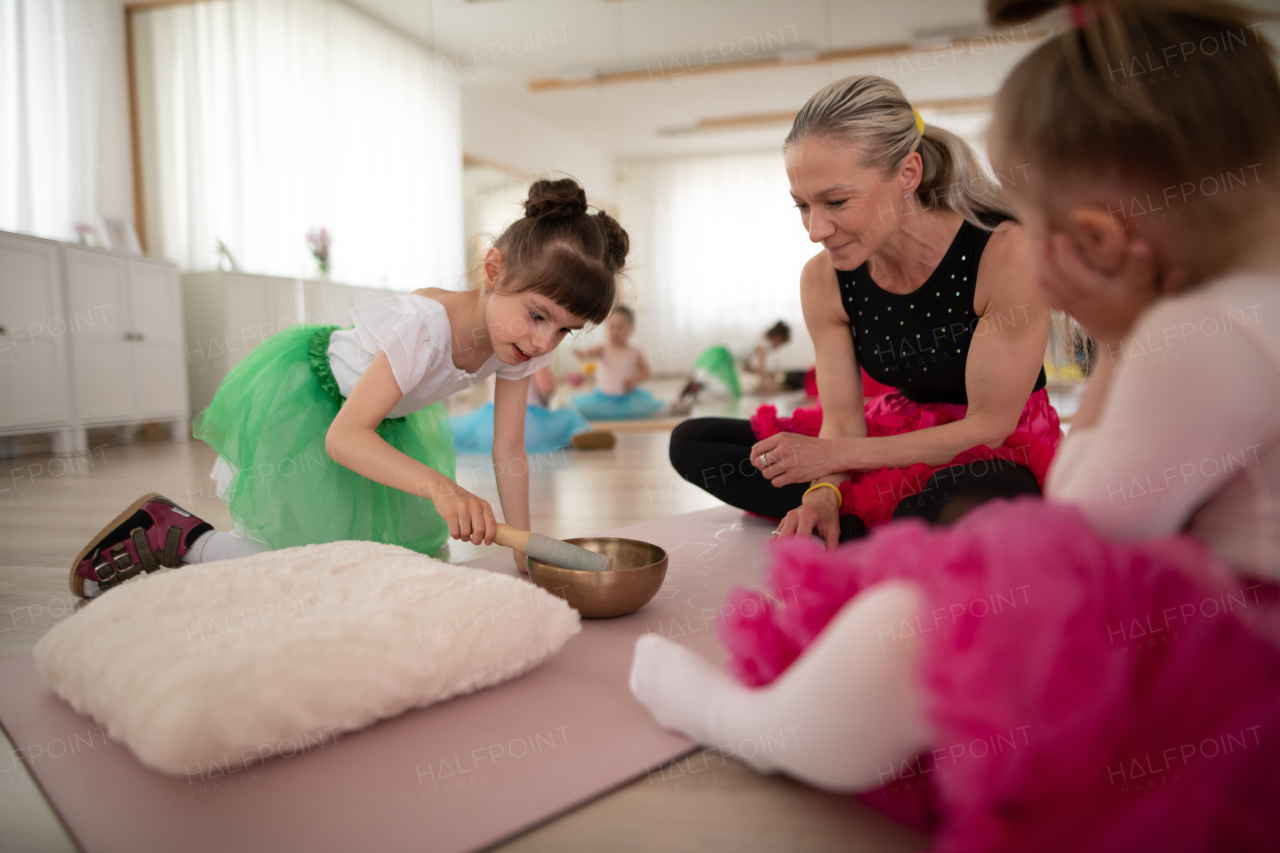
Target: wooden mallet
552, 551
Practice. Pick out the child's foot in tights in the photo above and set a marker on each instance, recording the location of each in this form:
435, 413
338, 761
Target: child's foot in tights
152, 533
845, 709
681, 689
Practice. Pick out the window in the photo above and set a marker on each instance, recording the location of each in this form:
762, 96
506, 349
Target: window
262, 120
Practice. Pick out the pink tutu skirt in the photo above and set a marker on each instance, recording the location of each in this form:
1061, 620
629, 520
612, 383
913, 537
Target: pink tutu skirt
873, 495
1085, 694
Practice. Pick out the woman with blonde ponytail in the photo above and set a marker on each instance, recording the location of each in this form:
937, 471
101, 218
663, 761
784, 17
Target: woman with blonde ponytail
924, 282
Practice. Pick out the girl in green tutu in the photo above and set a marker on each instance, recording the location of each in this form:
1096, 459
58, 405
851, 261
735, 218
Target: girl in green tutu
327, 434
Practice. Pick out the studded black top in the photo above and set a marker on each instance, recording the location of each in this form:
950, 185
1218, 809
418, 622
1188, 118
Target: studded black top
918, 342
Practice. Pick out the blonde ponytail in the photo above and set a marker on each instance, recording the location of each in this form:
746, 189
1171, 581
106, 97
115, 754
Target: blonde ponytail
873, 113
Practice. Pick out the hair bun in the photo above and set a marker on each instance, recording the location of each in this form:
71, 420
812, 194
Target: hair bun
564, 197
617, 243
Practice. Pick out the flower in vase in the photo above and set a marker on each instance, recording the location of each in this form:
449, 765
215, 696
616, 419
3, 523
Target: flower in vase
84, 231
318, 241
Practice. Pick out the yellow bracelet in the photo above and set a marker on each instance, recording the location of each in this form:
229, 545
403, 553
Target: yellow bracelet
832, 486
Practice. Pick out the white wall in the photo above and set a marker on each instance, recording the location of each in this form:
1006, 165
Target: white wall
497, 132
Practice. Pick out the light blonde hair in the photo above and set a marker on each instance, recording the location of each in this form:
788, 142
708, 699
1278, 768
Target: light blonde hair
1166, 93
1090, 102
873, 114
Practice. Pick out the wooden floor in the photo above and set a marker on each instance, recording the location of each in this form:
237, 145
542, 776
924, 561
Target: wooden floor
50, 506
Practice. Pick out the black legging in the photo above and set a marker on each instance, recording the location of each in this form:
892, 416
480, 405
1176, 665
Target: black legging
714, 454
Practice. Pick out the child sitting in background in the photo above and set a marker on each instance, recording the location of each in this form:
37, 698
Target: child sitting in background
620, 368
777, 336
716, 372
1099, 670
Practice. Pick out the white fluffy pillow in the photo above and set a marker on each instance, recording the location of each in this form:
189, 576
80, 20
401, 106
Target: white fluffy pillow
234, 661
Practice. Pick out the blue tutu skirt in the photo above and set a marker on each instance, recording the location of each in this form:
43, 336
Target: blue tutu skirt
544, 429
268, 422
598, 406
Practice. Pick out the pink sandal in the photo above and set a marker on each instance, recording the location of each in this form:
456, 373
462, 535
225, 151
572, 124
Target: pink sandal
153, 532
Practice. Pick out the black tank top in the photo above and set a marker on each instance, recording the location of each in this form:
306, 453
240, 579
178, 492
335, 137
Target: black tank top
918, 342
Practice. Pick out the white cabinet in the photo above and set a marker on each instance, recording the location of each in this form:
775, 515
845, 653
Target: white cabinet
91, 338
98, 286
130, 363
226, 315
159, 356
229, 313
34, 327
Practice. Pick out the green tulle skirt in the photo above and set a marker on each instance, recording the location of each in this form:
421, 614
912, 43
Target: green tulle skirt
268, 421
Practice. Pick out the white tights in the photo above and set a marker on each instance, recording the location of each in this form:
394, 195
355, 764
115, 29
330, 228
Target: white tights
846, 711
216, 545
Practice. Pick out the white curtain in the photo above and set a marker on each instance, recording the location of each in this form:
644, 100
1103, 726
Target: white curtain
51, 57
263, 119
719, 253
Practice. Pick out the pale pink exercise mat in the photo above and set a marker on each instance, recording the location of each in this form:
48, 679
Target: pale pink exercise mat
461, 775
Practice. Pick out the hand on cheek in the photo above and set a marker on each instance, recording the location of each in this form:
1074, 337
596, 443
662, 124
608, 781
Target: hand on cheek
1105, 293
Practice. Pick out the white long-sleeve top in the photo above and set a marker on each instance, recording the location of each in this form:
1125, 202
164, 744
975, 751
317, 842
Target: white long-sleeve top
1188, 438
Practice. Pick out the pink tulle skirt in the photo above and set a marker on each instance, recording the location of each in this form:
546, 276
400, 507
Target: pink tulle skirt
873, 495
1085, 694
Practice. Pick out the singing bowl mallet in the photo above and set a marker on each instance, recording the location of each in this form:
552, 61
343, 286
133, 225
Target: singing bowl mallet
552, 551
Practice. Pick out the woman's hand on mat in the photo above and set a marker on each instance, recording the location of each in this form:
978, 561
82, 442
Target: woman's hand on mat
818, 515
470, 518
789, 457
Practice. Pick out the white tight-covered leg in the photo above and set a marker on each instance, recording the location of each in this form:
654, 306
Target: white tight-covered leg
846, 712
216, 545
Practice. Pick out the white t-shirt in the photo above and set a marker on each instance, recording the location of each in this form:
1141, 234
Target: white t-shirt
415, 334
1188, 438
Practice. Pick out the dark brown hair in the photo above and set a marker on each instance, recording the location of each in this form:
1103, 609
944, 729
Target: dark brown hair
779, 330
1167, 93
561, 251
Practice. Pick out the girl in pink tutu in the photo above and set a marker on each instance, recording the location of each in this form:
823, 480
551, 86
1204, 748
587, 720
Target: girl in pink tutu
1099, 670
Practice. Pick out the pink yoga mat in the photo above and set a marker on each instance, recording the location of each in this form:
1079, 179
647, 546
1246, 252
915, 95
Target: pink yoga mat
462, 775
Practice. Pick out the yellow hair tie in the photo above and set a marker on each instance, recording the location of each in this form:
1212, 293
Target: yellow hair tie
919, 120
832, 486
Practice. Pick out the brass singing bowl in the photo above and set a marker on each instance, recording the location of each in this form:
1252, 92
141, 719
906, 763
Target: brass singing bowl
633, 579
